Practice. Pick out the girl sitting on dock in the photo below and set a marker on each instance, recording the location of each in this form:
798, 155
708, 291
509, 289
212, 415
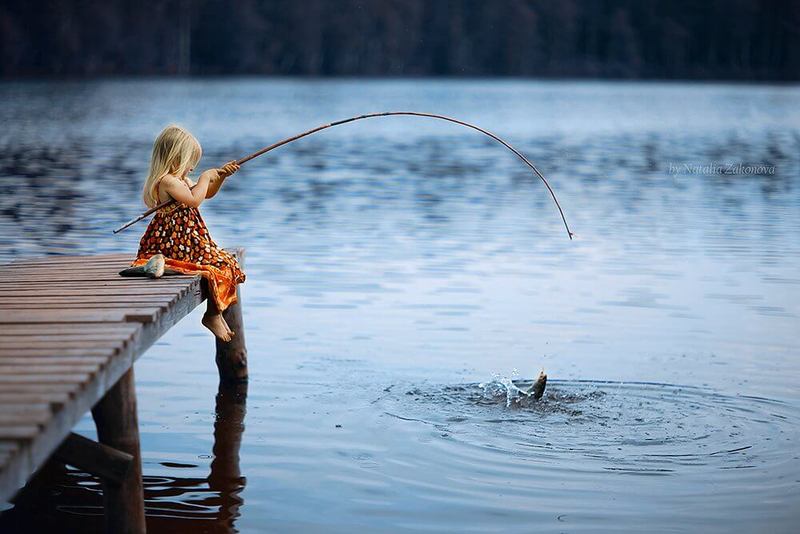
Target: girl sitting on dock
179, 233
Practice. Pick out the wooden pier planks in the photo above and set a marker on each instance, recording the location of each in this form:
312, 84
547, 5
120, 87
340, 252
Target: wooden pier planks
70, 327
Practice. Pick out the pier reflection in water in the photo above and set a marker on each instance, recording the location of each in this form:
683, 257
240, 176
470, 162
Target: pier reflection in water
62, 499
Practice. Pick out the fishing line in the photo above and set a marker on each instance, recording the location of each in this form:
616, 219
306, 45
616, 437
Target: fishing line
369, 116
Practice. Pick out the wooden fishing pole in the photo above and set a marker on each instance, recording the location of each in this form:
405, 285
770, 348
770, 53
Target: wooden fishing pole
368, 116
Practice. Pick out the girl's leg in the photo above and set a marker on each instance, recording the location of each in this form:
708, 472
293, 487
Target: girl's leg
213, 321
228, 328
212, 308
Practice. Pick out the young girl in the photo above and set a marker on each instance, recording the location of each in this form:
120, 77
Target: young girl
178, 231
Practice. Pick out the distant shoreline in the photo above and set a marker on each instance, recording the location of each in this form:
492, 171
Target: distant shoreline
389, 78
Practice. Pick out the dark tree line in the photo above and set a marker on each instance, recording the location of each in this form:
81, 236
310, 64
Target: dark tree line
695, 39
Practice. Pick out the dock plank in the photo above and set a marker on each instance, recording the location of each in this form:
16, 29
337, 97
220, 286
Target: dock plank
44, 352
87, 282
52, 368
30, 388
25, 432
119, 329
26, 346
23, 398
45, 361
32, 337
64, 292
24, 418
72, 327
86, 258
81, 305
107, 315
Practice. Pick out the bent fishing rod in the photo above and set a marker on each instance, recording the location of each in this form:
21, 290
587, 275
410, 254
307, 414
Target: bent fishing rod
369, 116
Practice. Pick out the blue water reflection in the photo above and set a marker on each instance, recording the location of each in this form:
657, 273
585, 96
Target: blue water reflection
395, 259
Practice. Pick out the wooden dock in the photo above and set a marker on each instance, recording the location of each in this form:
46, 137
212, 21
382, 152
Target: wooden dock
71, 331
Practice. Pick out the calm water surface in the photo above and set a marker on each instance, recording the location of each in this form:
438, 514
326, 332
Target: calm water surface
399, 270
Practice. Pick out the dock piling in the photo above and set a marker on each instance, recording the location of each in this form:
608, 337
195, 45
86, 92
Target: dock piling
118, 427
232, 355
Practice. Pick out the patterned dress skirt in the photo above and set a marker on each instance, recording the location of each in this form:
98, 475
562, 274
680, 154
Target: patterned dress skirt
180, 234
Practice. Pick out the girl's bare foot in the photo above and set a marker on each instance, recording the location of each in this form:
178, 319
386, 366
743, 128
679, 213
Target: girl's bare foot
216, 324
228, 328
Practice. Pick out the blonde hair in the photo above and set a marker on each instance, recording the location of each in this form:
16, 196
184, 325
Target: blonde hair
175, 151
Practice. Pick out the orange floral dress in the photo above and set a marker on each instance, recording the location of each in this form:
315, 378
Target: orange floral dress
180, 234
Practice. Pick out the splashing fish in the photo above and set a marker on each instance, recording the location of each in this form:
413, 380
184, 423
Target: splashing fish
537, 388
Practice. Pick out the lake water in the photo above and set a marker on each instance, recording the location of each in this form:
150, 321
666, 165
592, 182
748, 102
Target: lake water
400, 269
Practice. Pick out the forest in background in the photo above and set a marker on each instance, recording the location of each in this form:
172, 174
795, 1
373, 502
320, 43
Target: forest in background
644, 39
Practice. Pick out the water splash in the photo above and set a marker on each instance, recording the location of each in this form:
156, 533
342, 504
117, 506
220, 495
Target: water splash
519, 393
503, 387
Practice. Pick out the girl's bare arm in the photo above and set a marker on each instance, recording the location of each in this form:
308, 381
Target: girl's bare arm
226, 170
180, 191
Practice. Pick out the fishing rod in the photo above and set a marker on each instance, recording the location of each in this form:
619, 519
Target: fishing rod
369, 116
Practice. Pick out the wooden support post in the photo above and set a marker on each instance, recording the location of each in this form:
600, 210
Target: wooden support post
95, 458
232, 356
118, 427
